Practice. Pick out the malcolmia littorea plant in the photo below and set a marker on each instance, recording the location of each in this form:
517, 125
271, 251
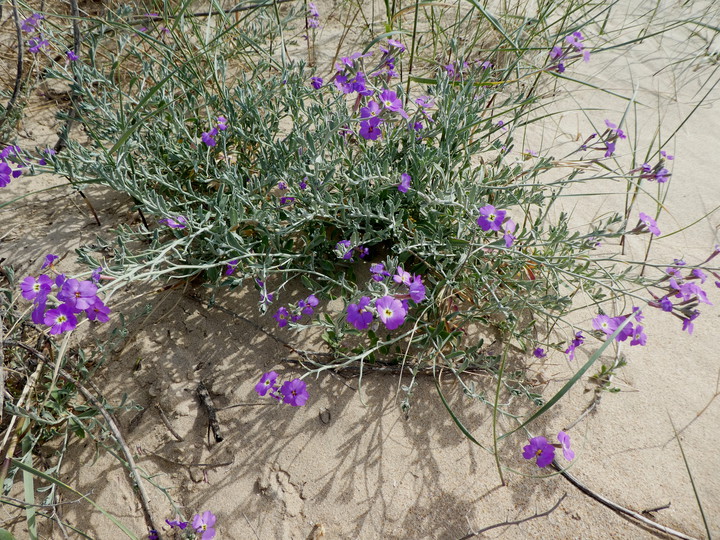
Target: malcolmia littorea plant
408, 199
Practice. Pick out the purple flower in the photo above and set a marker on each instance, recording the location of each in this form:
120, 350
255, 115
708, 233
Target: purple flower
36, 289
609, 148
178, 222
404, 184
702, 276
316, 82
98, 311
303, 184
614, 129
231, 266
402, 276
48, 152
38, 314
79, 295
308, 304
60, 319
666, 304
286, 200
153, 535
222, 123
5, 174
378, 271
638, 336
576, 342
37, 43
344, 250
417, 290
650, 223
96, 275
358, 315
392, 103
179, 524
509, 237
371, 110
28, 25
207, 137
313, 16
369, 129
539, 353
294, 393
49, 260
282, 185
627, 330
564, 439
203, 524
267, 383
490, 218
282, 316
688, 323
397, 45
72, 57
541, 449
556, 52
604, 323
390, 311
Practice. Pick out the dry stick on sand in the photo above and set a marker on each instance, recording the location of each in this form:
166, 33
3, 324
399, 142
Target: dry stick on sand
206, 400
111, 424
516, 522
620, 509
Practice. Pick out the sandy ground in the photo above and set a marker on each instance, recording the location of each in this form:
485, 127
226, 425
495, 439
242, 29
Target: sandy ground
351, 463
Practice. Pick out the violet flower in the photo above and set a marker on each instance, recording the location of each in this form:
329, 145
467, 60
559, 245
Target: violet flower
390, 311
404, 184
358, 315
564, 439
267, 383
204, 525
294, 393
61, 319
490, 218
541, 449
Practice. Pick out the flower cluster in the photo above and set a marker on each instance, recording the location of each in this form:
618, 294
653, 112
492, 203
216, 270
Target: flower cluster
313, 16
203, 524
30, 25
284, 315
208, 137
492, 219
387, 61
657, 173
291, 392
390, 309
544, 451
687, 292
7, 171
608, 325
70, 296
374, 114
573, 45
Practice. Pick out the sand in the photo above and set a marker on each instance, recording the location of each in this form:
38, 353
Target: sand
351, 463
